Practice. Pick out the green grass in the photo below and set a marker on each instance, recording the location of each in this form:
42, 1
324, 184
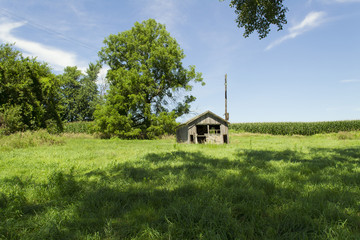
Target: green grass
257, 187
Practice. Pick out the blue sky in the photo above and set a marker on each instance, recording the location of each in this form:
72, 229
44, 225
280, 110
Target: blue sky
310, 71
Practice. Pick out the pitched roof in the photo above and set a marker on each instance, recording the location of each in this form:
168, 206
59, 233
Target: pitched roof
203, 114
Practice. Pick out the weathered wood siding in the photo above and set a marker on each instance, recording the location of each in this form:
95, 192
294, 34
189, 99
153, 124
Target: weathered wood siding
206, 120
224, 129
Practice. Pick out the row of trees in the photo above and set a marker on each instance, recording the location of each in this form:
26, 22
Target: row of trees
148, 84
32, 97
147, 87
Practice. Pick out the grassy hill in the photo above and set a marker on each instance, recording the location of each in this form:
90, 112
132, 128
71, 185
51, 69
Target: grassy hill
257, 187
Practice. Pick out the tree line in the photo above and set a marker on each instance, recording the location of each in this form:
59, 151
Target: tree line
148, 84
148, 87
33, 97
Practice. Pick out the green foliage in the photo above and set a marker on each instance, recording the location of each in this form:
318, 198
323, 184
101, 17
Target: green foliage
10, 120
257, 187
259, 15
297, 128
79, 92
52, 127
147, 82
29, 88
89, 97
79, 127
70, 87
162, 124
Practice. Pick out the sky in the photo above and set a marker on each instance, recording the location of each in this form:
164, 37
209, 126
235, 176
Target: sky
309, 71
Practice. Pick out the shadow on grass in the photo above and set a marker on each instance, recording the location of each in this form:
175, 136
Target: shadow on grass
191, 195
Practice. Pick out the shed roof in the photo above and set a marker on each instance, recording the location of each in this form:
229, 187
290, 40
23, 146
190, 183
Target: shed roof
199, 116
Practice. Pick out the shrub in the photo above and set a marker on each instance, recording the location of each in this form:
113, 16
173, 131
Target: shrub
10, 120
29, 139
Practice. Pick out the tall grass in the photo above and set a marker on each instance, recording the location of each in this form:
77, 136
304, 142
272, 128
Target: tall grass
297, 128
257, 187
29, 139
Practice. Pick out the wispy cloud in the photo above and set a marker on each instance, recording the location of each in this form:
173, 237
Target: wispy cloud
57, 58
344, 1
311, 21
165, 11
350, 80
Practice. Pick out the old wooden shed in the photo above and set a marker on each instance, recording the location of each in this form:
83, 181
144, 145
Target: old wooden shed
204, 128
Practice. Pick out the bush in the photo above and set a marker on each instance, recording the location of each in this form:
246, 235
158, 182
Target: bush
52, 127
10, 120
29, 139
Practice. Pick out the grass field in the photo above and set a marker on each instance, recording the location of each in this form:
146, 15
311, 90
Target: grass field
257, 187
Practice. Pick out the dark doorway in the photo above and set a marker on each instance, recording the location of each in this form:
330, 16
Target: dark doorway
201, 129
192, 139
225, 138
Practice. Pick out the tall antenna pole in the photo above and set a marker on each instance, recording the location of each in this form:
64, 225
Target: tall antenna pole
226, 113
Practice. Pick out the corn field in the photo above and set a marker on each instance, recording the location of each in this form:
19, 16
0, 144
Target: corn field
297, 128
79, 127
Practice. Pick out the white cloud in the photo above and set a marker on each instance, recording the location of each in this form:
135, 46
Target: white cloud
165, 11
312, 20
102, 75
57, 58
350, 80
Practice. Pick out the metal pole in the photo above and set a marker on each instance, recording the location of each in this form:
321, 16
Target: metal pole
226, 113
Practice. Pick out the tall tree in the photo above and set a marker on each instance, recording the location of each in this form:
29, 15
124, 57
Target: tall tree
88, 96
258, 15
146, 81
80, 93
28, 91
70, 87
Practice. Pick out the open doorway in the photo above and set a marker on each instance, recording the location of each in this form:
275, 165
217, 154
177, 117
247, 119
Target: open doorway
225, 138
192, 139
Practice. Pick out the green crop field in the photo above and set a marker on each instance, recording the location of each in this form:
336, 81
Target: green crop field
257, 187
297, 128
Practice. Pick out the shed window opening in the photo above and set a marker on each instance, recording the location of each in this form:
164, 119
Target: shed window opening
201, 129
214, 129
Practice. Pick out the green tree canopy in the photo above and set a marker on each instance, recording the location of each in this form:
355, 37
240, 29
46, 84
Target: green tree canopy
79, 92
28, 91
258, 15
70, 87
147, 81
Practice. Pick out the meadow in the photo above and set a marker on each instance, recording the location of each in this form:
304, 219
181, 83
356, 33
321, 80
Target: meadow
75, 186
